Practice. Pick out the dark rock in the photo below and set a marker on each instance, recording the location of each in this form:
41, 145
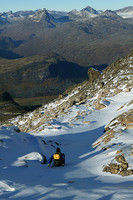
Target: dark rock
126, 173
5, 96
44, 161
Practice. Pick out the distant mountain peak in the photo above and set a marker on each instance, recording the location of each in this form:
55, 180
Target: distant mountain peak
85, 13
7, 17
110, 14
74, 11
90, 10
125, 10
41, 14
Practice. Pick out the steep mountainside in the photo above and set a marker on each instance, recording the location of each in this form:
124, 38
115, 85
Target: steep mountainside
115, 79
42, 16
92, 123
97, 93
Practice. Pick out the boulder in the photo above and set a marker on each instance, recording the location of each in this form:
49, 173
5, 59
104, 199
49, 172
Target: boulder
99, 106
93, 75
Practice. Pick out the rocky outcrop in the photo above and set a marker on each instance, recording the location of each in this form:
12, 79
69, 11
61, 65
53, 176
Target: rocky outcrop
115, 129
125, 120
93, 75
99, 106
120, 167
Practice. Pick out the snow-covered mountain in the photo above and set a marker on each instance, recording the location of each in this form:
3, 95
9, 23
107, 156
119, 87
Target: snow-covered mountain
90, 10
41, 15
36, 16
80, 15
92, 124
110, 14
125, 12
87, 12
8, 17
57, 14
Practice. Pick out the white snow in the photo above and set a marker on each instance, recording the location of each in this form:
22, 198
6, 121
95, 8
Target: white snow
22, 176
126, 15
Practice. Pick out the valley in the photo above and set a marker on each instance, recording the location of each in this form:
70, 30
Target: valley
43, 52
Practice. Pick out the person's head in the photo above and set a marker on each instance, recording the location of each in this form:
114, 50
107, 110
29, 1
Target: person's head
58, 150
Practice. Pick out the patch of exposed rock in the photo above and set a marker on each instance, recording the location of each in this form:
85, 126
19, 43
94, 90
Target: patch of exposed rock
125, 120
93, 75
120, 166
116, 127
114, 130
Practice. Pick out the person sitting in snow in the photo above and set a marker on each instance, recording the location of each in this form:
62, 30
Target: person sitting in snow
58, 158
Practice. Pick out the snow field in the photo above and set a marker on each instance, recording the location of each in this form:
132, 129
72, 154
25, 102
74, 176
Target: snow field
24, 177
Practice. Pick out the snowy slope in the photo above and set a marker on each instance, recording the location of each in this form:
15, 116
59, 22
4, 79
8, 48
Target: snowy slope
76, 131
82, 177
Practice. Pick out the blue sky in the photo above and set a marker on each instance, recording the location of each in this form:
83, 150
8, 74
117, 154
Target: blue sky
66, 5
